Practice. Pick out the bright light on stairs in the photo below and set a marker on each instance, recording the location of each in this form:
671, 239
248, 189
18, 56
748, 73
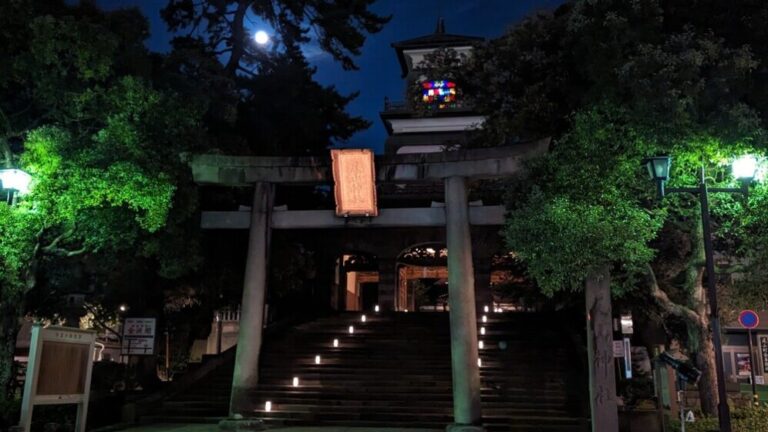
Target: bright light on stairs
317, 359
485, 318
351, 329
480, 345
482, 330
376, 308
363, 318
295, 381
268, 406
335, 343
479, 362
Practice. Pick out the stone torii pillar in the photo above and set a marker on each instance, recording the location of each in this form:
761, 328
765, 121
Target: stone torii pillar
246, 375
463, 319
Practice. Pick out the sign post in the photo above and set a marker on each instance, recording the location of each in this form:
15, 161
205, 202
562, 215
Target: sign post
58, 372
749, 320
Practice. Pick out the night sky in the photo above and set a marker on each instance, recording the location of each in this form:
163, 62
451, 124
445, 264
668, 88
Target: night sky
379, 73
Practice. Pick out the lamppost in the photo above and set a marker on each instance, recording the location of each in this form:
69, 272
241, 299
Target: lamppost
15, 182
744, 170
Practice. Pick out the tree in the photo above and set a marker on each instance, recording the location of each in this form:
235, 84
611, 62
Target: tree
614, 82
273, 105
100, 140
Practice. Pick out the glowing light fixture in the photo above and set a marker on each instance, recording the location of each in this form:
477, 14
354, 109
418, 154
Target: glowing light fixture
351, 329
485, 309
430, 251
295, 381
479, 362
15, 179
268, 406
123, 308
482, 330
335, 343
363, 318
317, 359
261, 37
406, 311
480, 345
376, 308
485, 318
745, 167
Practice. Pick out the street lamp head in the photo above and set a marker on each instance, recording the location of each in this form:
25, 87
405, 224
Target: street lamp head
15, 179
745, 168
658, 171
123, 308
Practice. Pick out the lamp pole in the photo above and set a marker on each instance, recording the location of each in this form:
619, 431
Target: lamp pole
660, 175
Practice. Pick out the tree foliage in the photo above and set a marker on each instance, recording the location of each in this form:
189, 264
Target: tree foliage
614, 82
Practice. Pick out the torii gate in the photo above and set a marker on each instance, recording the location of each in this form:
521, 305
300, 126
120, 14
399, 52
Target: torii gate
453, 168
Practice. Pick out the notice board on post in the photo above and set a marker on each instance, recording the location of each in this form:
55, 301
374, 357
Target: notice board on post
138, 336
58, 372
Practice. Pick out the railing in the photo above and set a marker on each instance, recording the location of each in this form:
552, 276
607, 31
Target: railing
228, 315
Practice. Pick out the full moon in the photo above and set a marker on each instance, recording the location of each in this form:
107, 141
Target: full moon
261, 37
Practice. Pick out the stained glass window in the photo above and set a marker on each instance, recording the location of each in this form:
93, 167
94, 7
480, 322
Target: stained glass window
441, 94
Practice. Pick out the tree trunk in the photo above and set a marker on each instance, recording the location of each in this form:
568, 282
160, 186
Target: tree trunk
9, 328
705, 361
602, 378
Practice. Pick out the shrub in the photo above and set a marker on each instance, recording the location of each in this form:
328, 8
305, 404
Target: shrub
752, 419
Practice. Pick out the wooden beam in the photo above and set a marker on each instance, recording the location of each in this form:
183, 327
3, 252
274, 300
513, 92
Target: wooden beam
492, 162
327, 219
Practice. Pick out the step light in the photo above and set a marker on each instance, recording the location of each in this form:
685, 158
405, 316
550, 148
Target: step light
335, 343
295, 381
482, 331
485, 309
268, 406
480, 345
479, 362
406, 311
485, 318
363, 318
376, 308
317, 359
351, 329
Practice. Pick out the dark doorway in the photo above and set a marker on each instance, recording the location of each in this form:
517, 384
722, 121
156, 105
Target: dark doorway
370, 295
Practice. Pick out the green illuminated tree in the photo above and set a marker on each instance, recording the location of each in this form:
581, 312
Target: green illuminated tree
81, 115
614, 82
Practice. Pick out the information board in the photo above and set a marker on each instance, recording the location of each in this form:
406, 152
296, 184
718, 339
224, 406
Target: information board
138, 336
764, 352
58, 372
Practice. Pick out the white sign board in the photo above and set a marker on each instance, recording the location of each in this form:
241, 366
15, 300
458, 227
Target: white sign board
138, 336
58, 372
618, 349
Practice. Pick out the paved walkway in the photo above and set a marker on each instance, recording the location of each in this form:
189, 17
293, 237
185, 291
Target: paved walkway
214, 428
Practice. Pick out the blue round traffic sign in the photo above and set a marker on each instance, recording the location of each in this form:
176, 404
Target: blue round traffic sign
749, 319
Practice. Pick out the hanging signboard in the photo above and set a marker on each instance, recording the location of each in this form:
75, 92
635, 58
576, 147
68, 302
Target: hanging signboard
764, 352
138, 336
58, 372
618, 348
354, 178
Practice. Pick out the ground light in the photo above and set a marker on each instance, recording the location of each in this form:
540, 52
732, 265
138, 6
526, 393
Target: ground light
335, 343
479, 362
485, 309
482, 330
362, 318
317, 359
376, 308
485, 318
351, 329
480, 345
295, 381
268, 406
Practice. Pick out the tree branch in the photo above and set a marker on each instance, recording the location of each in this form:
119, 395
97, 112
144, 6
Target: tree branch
669, 307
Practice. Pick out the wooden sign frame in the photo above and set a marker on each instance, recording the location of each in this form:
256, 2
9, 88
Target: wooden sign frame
354, 179
60, 383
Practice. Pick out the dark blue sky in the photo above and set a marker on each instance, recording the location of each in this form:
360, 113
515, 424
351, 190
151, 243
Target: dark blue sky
379, 73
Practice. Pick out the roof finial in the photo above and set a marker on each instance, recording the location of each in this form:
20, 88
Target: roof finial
440, 26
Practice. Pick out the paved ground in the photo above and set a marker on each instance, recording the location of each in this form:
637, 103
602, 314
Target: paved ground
214, 428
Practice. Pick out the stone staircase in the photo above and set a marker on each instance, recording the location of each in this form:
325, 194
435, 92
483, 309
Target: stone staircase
395, 370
